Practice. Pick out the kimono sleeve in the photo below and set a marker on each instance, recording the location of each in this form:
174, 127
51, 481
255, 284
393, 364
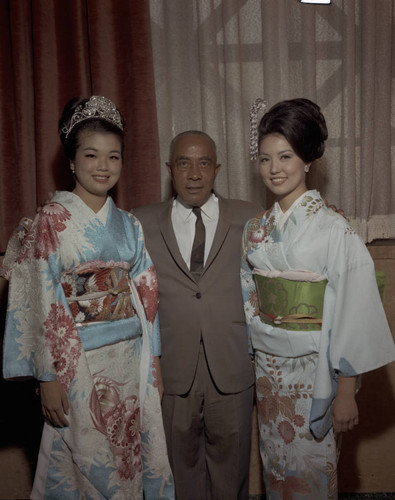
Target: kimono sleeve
359, 336
41, 340
144, 276
14, 246
248, 289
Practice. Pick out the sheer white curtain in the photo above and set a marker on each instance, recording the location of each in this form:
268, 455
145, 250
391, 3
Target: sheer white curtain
213, 58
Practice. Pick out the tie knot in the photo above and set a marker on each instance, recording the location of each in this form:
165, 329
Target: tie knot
197, 211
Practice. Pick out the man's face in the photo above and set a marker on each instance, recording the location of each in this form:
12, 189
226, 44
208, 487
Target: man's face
193, 169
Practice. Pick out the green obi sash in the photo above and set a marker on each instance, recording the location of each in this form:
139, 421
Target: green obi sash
288, 304
295, 305
380, 278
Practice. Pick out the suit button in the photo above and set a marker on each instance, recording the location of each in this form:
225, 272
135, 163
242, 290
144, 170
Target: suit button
198, 295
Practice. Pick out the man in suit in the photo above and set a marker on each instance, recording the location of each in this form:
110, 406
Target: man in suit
207, 372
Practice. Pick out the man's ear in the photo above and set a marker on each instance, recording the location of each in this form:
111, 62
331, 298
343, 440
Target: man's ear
168, 166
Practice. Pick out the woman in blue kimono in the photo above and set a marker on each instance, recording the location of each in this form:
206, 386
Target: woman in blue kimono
82, 319
313, 331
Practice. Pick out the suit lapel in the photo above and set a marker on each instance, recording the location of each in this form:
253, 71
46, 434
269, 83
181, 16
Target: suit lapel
224, 222
167, 231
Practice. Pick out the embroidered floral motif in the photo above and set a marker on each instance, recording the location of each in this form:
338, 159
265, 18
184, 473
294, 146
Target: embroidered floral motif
283, 413
286, 431
312, 205
98, 277
349, 230
146, 284
253, 299
63, 343
258, 235
42, 241
155, 382
119, 420
276, 297
270, 224
299, 420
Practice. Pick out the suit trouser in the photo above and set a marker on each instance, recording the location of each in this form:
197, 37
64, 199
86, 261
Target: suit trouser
208, 436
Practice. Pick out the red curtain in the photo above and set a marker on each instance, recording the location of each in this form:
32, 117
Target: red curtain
51, 51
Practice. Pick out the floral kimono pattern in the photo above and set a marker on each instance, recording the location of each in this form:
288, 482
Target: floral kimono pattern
83, 309
296, 369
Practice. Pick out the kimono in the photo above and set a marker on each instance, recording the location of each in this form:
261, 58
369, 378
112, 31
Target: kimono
82, 309
302, 345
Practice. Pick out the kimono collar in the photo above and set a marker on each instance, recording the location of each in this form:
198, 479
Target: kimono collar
282, 217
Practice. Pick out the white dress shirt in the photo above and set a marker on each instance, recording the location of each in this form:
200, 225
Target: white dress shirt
183, 220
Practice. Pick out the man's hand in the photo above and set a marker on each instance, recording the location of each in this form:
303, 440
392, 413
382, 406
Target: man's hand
54, 403
335, 209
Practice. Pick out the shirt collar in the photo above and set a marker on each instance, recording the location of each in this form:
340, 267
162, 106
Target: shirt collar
210, 208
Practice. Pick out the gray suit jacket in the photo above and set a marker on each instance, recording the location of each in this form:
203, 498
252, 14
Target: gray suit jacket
210, 308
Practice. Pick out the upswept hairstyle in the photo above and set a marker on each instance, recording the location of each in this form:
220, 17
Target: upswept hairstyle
301, 122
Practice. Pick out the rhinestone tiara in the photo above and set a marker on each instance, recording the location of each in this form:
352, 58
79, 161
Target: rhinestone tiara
96, 107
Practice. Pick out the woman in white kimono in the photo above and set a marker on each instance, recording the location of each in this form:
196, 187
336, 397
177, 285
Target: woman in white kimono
82, 319
313, 309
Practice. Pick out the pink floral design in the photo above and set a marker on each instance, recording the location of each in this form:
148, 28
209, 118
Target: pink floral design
42, 240
155, 376
63, 343
258, 235
253, 299
68, 289
299, 420
119, 420
122, 422
147, 287
74, 309
286, 431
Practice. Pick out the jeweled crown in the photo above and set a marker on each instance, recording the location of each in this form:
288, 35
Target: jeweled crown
96, 107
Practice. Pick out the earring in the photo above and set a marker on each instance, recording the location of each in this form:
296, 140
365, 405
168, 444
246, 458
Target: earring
306, 168
72, 170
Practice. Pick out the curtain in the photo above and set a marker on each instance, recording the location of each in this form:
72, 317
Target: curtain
213, 58
51, 51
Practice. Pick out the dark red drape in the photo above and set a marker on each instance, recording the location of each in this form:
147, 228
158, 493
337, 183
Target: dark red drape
50, 51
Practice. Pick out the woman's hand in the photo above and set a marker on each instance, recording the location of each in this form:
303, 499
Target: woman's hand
54, 403
345, 409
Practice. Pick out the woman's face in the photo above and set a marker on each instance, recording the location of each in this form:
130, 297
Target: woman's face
97, 165
282, 171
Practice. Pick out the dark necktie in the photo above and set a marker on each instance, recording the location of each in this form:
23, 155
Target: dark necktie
197, 255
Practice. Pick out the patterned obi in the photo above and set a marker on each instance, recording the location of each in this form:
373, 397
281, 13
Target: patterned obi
97, 293
290, 304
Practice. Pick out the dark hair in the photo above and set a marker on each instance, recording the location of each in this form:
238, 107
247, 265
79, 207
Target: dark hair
95, 124
301, 122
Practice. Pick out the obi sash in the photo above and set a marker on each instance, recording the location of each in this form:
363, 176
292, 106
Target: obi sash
290, 304
97, 294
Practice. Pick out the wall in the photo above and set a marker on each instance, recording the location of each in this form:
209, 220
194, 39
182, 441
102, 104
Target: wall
367, 461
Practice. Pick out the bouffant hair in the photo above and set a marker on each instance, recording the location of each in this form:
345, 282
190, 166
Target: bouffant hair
301, 122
